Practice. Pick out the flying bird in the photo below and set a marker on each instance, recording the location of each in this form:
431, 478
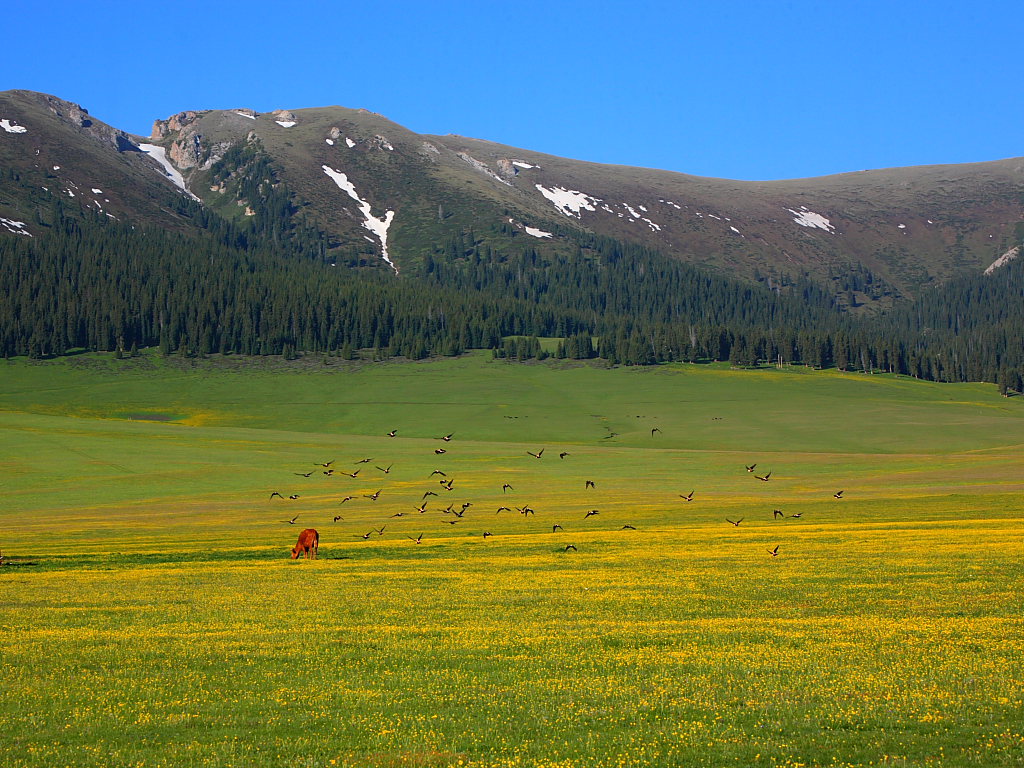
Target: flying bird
380, 531
325, 464
777, 513
438, 472
364, 536
446, 438
427, 493
627, 528
774, 552
563, 454
353, 475
688, 497
734, 522
386, 470
502, 509
837, 495
392, 433
750, 467
365, 461
556, 527
422, 508
572, 547
588, 484
506, 487
292, 521
328, 472
373, 496
591, 513
275, 493
764, 477
347, 498
439, 451
655, 429
487, 533
338, 517
418, 539
798, 515
538, 454
304, 474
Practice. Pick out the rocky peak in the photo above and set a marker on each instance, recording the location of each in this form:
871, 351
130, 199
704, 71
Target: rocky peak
174, 124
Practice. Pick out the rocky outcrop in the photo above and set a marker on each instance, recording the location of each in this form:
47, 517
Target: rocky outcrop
187, 151
79, 117
506, 168
1003, 260
174, 124
187, 148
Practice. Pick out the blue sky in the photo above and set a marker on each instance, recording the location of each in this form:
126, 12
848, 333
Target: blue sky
746, 90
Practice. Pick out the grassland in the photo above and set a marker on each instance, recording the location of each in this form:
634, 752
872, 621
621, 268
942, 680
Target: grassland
150, 614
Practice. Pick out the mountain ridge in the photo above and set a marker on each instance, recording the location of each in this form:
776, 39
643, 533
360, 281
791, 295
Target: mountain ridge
903, 229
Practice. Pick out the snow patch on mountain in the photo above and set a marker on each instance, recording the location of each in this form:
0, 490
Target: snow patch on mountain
349, 142
17, 227
639, 217
286, 123
532, 231
569, 201
1002, 261
521, 164
159, 154
10, 127
808, 218
482, 167
378, 226
330, 141
244, 114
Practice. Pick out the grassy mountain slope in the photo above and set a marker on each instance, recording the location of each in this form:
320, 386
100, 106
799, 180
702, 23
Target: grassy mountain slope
66, 157
869, 238
909, 226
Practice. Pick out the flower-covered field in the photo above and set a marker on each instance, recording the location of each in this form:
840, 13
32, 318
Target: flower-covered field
150, 614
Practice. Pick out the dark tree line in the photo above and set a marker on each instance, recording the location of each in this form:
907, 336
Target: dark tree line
89, 283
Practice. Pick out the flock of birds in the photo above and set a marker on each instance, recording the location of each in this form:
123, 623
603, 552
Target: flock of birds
457, 513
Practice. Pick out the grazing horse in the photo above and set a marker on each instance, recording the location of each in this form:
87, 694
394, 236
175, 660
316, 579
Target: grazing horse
308, 544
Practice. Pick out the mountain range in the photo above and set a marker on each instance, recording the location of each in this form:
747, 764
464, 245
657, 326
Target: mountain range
371, 193
338, 232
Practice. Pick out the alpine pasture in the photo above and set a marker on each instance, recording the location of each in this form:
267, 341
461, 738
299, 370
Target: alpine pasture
151, 614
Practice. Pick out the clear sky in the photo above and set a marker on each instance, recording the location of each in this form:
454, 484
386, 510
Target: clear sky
745, 90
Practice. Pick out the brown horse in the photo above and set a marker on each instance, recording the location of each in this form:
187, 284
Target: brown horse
308, 544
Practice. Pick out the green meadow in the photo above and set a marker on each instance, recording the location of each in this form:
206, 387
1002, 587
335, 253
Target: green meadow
150, 614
